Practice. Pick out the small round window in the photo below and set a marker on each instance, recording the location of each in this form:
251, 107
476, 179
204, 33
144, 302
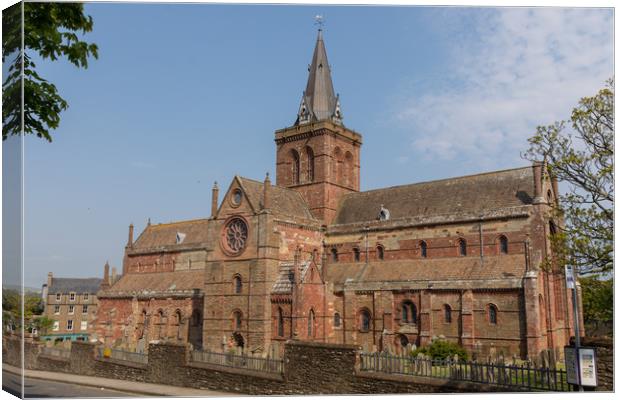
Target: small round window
236, 197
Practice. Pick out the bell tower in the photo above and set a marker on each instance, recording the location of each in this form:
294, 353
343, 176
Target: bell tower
318, 156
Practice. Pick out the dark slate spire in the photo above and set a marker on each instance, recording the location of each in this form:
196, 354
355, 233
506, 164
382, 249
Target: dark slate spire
319, 103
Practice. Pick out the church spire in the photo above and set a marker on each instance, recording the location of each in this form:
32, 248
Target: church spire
319, 103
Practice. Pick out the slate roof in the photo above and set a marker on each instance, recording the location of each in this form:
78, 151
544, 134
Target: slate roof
284, 201
286, 278
157, 283
466, 194
160, 235
77, 285
400, 273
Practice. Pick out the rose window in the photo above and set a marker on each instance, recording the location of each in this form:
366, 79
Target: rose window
236, 235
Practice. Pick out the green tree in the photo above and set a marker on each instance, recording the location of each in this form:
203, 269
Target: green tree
583, 158
598, 299
50, 31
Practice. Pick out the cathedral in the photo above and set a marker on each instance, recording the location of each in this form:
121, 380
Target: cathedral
311, 257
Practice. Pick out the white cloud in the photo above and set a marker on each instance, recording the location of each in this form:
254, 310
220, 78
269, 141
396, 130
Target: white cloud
519, 68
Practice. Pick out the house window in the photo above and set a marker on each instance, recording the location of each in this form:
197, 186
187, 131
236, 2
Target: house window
84, 309
57, 296
337, 320
310, 155
72, 296
56, 309
364, 320
447, 314
311, 323
280, 322
56, 326
334, 255
356, 254
423, 249
462, 244
85, 296
238, 284
295, 160
71, 309
380, 251
492, 314
503, 244
84, 325
237, 320
70, 325
409, 313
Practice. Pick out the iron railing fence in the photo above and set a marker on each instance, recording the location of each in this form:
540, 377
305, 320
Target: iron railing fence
271, 365
522, 376
56, 352
117, 354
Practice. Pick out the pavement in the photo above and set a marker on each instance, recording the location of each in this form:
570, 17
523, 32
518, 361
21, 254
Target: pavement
116, 385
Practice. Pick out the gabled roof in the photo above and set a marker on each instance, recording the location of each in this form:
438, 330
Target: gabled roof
284, 201
77, 285
467, 194
319, 101
183, 282
162, 235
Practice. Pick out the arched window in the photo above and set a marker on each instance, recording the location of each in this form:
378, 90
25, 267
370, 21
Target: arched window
549, 197
196, 318
462, 245
237, 284
447, 314
348, 168
295, 161
552, 230
492, 314
237, 318
160, 324
503, 244
337, 320
334, 254
356, 254
310, 156
178, 319
380, 252
423, 249
311, 322
365, 320
337, 165
280, 322
409, 313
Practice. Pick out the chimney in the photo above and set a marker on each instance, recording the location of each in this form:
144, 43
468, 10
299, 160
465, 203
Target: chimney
130, 238
267, 193
106, 273
113, 276
537, 182
49, 279
214, 199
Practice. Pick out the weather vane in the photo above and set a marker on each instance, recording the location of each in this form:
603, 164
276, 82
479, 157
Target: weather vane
318, 20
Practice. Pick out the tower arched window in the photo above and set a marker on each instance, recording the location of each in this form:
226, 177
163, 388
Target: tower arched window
178, 321
296, 165
503, 244
492, 314
337, 165
380, 252
337, 320
237, 319
348, 168
423, 249
280, 322
365, 320
356, 254
334, 252
462, 246
237, 284
447, 314
409, 314
310, 167
311, 322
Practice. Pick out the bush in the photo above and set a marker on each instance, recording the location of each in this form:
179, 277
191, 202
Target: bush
441, 349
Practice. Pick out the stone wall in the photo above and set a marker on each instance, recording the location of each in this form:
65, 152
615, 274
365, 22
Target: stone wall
309, 368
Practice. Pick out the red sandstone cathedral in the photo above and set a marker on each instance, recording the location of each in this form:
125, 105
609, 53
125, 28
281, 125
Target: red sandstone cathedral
312, 258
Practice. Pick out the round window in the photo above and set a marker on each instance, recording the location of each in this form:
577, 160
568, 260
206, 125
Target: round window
235, 236
236, 197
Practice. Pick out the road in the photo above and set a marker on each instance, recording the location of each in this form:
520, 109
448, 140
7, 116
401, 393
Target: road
38, 388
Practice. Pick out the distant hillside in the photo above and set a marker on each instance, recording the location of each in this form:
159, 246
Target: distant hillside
26, 289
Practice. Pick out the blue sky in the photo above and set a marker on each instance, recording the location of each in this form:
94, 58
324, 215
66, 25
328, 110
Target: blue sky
183, 95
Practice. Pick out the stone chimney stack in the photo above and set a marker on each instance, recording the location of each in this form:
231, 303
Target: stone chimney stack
214, 199
113, 276
267, 193
130, 238
49, 279
106, 273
